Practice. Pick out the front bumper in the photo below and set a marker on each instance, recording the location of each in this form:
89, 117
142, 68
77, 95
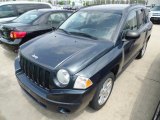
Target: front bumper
68, 100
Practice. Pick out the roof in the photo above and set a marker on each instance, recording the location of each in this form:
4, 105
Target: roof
111, 7
107, 7
23, 2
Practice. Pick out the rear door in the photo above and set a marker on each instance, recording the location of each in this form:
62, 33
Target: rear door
142, 26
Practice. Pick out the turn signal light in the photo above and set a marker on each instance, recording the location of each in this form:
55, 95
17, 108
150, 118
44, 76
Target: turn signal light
82, 83
17, 35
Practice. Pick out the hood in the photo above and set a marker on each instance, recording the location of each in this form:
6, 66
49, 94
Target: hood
155, 13
57, 50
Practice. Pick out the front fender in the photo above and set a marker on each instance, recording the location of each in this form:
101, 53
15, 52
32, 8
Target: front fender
103, 65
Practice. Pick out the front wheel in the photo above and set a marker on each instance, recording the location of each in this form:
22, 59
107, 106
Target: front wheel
142, 52
103, 92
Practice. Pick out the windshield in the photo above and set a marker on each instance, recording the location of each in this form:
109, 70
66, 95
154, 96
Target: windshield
156, 8
93, 24
28, 17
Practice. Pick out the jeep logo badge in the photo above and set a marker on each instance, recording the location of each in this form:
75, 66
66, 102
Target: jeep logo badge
34, 56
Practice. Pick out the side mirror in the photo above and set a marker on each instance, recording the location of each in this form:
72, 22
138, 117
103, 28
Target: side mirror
130, 35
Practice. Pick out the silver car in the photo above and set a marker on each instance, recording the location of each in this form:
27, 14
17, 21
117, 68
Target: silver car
11, 10
155, 14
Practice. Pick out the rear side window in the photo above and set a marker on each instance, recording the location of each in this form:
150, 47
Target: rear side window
56, 18
22, 8
7, 11
37, 6
28, 17
142, 17
131, 22
41, 6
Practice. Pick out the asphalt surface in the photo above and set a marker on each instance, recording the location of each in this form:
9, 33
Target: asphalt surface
135, 95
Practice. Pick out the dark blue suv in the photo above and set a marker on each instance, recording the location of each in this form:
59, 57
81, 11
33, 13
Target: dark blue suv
77, 64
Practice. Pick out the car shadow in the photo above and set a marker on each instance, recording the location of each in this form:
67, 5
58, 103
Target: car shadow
2, 117
149, 95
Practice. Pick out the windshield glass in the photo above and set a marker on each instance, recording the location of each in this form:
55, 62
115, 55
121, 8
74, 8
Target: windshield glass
156, 8
28, 17
93, 24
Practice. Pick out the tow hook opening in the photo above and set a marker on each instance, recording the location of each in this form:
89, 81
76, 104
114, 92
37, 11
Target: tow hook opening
63, 110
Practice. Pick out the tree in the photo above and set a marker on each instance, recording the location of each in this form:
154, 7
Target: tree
73, 3
49, 1
61, 2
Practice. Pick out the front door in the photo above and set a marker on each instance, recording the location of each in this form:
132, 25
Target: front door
130, 46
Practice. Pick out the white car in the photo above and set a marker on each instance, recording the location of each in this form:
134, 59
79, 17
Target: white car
155, 14
11, 10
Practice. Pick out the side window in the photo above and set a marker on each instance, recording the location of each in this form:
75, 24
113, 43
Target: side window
21, 8
147, 15
69, 14
32, 7
142, 17
56, 18
37, 6
131, 22
41, 6
7, 11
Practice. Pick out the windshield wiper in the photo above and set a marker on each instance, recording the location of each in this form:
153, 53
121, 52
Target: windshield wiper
84, 35
65, 31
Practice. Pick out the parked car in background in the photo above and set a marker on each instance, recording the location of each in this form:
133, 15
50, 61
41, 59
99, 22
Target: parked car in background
77, 64
31, 24
155, 14
11, 10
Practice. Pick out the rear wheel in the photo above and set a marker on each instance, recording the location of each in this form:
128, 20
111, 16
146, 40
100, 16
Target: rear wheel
103, 92
142, 52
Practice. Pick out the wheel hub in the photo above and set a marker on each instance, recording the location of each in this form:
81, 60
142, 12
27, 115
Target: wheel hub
105, 91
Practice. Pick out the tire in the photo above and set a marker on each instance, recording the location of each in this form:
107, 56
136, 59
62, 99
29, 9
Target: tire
98, 101
142, 52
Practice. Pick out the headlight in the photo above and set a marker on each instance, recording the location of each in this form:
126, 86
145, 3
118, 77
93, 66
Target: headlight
82, 83
63, 78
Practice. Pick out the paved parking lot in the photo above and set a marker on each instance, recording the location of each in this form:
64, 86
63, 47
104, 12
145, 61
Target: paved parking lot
135, 95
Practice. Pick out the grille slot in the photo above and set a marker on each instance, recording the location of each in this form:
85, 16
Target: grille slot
36, 74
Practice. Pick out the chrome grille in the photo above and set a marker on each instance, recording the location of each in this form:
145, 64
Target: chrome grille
156, 14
